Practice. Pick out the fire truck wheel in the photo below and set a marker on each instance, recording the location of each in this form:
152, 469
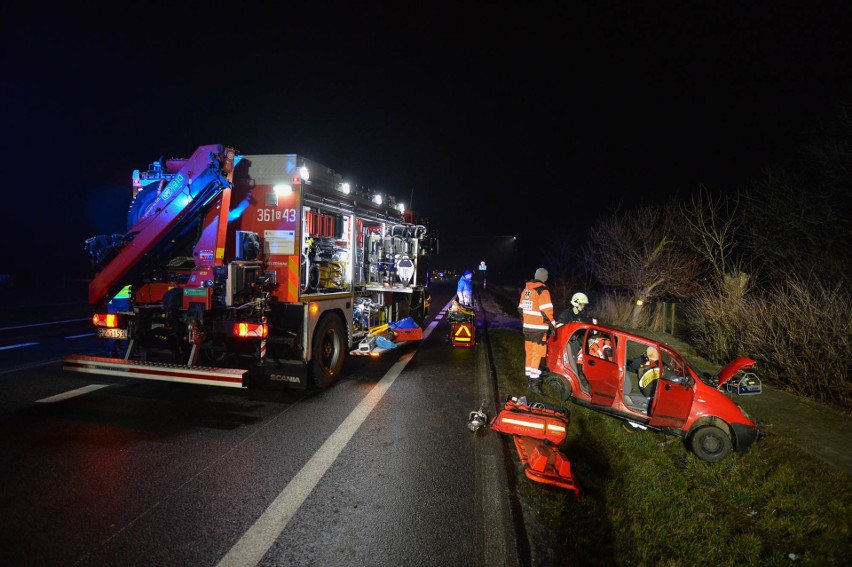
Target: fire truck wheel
710, 443
328, 352
215, 351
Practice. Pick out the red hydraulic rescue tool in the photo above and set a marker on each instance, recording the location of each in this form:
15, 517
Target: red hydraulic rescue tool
538, 429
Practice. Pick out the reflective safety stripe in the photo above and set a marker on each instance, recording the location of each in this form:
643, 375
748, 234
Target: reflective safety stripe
649, 376
523, 423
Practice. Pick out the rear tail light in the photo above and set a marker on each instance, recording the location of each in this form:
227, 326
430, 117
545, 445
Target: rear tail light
108, 320
251, 330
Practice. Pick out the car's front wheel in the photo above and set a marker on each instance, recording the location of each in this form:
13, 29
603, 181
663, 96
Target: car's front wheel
557, 386
710, 443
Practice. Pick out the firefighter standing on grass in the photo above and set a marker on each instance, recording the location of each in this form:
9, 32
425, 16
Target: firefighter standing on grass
536, 310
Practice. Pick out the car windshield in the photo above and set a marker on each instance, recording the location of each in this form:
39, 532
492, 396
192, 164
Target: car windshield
703, 376
673, 366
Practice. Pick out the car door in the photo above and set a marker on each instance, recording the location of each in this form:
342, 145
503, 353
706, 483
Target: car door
674, 392
599, 367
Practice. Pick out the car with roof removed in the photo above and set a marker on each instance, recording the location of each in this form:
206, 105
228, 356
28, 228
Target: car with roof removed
649, 385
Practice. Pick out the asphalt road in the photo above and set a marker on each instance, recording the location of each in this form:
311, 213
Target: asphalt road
380, 469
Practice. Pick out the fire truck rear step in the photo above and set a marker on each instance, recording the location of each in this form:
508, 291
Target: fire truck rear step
230, 377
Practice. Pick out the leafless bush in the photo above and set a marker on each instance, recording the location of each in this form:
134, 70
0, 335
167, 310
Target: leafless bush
655, 317
617, 310
799, 331
643, 253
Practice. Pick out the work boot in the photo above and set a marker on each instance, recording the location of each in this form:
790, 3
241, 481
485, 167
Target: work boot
534, 387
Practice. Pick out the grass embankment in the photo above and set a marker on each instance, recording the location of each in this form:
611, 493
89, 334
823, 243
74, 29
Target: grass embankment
647, 501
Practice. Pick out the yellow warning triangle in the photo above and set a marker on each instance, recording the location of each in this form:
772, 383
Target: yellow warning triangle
464, 328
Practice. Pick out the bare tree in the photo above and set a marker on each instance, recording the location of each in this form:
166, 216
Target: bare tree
713, 223
644, 253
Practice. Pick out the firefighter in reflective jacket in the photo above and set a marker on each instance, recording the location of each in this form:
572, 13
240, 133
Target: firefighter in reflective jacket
647, 369
536, 310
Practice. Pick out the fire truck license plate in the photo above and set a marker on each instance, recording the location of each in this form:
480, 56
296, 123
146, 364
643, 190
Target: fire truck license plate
112, 333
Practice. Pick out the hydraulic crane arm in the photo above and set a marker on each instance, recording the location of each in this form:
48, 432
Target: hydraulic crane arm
200, 181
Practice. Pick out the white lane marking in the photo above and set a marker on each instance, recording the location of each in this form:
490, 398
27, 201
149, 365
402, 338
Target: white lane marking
257, 540
31, 325
71, 393
21, 345
81, 336
442, 312
432, 325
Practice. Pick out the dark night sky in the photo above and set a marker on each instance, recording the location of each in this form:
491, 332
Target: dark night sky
470, 104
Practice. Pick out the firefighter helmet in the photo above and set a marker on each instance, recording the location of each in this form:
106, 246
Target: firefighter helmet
579, 299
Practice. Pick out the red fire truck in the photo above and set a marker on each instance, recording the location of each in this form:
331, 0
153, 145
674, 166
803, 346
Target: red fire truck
248, 270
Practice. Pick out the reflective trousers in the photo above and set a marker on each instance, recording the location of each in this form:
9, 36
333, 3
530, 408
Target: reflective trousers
535, 351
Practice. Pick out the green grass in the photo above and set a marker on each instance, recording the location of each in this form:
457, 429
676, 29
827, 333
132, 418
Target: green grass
645, 500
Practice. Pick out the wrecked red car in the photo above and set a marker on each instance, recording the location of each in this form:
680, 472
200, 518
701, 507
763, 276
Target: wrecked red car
649, 385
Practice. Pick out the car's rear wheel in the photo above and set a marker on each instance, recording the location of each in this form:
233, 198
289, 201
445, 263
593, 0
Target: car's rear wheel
710, 443
557, 386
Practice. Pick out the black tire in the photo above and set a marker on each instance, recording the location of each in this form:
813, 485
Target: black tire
710, 443
304, 268
215, 351
314, 277
328, 351
556, 386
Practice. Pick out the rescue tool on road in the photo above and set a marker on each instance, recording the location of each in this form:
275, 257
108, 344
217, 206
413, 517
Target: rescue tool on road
245, 270
537, 429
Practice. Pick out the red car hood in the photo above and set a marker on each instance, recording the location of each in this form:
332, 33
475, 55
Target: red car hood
730, 369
